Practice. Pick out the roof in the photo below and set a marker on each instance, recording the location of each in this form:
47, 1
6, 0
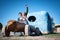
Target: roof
57, 25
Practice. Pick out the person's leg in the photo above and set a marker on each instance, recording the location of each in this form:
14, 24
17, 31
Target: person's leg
14, 33
3, 31
27, 30
22, 33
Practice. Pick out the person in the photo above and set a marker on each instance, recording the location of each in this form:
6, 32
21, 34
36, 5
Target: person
23, 19
23, 16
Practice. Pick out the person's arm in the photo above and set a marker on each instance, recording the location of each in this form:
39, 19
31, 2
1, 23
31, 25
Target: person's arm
27, 22
26, 10
18, 19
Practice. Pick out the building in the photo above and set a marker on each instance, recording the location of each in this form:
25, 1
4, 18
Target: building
42, 20
57, 28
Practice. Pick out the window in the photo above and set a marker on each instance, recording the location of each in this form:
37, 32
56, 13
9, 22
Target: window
32, 18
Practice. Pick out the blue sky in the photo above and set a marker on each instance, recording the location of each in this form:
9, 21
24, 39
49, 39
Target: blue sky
9, 9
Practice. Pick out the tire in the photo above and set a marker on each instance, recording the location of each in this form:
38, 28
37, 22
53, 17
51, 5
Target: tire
38, 32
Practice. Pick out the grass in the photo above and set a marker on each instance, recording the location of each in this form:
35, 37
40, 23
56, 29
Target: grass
52, 35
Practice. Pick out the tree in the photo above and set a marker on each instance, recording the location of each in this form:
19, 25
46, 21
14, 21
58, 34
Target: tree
1, 26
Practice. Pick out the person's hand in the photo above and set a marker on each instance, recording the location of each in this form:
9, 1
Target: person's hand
26, 5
